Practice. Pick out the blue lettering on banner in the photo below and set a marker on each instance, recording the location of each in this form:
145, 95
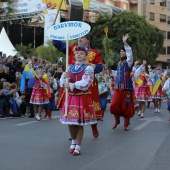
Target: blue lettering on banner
70, 24
57, 37
79, 35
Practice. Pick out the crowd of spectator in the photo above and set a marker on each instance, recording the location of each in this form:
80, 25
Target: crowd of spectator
13, 103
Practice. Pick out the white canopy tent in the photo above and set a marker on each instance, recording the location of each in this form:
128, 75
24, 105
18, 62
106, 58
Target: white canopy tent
6, 45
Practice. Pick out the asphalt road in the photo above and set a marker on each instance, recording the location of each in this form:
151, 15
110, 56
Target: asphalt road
26, 144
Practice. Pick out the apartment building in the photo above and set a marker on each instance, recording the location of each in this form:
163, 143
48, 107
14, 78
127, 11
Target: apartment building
156, 12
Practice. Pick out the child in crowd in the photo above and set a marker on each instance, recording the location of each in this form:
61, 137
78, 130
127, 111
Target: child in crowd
8, 92
39, 94
20, 99
3, 104
80, 110
53, 87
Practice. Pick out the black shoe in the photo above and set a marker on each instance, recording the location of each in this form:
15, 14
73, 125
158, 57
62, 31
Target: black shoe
3, 117
9, 116
31, 116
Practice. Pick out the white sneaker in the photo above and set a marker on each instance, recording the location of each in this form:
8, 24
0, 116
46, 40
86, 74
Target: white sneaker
156, 110
37, 117
141, 115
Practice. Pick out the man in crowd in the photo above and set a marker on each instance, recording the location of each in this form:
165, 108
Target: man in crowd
27, 83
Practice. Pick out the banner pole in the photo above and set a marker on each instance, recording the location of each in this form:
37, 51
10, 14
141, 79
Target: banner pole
66, 90
58, 12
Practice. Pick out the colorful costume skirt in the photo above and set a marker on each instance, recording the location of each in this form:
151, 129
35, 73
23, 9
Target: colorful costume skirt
159, 94
143, 94
94, 95
39, 96
80, 111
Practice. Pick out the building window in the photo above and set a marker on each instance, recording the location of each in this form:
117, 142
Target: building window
168, 35
163, 3
125, 6
152, 16
163, 50
168, 19
162, 18
168, 5
152, 1
168, 50
164, 33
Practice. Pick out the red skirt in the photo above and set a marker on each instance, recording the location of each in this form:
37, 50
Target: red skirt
94, 95
118, 104
80, 111
39, 96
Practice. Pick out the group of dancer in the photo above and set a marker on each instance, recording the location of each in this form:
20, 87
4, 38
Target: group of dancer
84, 105
83, 102
83, 98
148, 87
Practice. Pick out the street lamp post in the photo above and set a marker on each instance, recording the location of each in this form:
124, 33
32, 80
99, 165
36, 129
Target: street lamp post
34, 35
21, 34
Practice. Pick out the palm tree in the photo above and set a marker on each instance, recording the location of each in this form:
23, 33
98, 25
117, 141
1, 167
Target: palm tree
7, 10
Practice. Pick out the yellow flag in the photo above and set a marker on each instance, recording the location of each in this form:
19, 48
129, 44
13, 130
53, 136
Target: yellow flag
63, 6
86, 4
1, 4
55, 4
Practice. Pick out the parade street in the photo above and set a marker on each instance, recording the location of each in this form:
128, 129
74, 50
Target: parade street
26, 144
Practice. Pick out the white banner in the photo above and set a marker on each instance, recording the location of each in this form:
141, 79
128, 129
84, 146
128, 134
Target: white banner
48, 22
29, 6
75, 29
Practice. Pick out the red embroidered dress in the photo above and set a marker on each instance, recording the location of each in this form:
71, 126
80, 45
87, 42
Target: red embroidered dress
93, 57
80, 109
39, 94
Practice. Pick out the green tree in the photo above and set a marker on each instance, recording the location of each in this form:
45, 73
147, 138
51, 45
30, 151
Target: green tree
7, 8
24, 50
48, 52
51, 53
109, 54
145, 39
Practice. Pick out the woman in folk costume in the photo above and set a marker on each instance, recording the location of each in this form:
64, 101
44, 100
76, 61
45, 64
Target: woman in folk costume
80, 109
135, 67
122, 103
166, 90
94, 58
48, 108
158, 82
143, 84
41, 92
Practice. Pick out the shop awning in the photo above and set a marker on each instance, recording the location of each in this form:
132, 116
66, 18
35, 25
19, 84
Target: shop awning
98, 7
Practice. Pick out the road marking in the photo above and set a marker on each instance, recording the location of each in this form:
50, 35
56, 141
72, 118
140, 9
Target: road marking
148, 120
30, 122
